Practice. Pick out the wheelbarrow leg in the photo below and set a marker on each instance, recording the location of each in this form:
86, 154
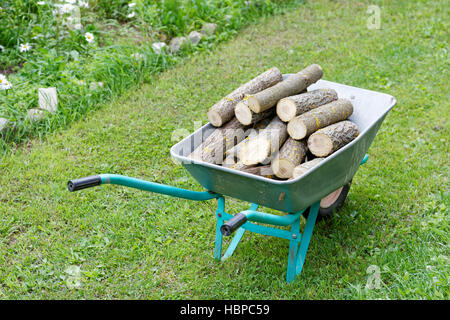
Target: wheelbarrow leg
293, 250
234, 243
307, 233
297, 255
220, 212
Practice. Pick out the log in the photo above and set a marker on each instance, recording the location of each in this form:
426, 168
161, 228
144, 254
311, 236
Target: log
291, 154
263, 171
223, 111
329, 139
304, 167
212, 150
260, 148
232, 154
229, 161
290, 107
236, 165
320, 117
295, 84
247, 116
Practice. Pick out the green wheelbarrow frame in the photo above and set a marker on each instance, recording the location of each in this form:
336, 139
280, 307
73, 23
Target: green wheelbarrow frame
226, 223
293, 196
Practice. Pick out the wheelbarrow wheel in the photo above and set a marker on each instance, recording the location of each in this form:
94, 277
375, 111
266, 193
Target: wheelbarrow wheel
331, 203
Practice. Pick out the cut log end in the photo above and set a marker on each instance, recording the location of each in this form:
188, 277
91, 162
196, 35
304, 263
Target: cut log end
283, 168
297, 129
243, 113
215, 118
224, 109
255, 151
320, 144
332, 138
286, 109
253, 104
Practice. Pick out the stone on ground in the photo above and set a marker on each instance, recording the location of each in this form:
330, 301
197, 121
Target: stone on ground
48, 99
3, 123
35, 114
195, 37
158, 47
177, 43
208, 29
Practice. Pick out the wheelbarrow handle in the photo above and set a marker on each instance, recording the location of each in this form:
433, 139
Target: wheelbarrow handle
233, 224
256, 216
92, 181
83, 183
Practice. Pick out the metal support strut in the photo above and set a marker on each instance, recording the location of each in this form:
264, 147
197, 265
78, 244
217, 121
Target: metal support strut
298, 243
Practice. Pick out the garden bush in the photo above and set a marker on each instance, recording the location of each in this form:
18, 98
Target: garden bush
92, 51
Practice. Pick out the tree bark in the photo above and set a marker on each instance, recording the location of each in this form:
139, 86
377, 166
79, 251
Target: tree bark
260, 148
223, 111
247, 116
212, 150
290, 107
295, 84
291, 154
329, 139
263, 171
236, 165
301, 169
320, 117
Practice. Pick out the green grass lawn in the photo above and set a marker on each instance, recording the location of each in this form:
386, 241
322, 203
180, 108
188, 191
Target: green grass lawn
124, 243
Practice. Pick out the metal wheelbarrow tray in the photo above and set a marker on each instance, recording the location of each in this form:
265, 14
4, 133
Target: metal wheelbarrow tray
370, 109
291, 196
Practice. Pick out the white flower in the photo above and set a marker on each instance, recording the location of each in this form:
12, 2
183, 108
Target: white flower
40, 3
78, 26
131, 4
2, 80
5, 85
71, 1
25, 47
137, 56
89, 37
66, 8
131, 15
2, 48
96, 85
81, 82
83, 4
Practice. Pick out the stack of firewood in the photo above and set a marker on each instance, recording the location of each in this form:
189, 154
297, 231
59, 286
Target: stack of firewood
276, 128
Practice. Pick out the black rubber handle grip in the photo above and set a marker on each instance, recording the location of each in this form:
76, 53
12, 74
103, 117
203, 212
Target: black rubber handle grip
83, 183
233, 224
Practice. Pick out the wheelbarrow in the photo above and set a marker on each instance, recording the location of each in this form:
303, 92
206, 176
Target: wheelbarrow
315, 194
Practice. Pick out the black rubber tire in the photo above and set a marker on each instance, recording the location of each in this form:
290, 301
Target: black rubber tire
326, 213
